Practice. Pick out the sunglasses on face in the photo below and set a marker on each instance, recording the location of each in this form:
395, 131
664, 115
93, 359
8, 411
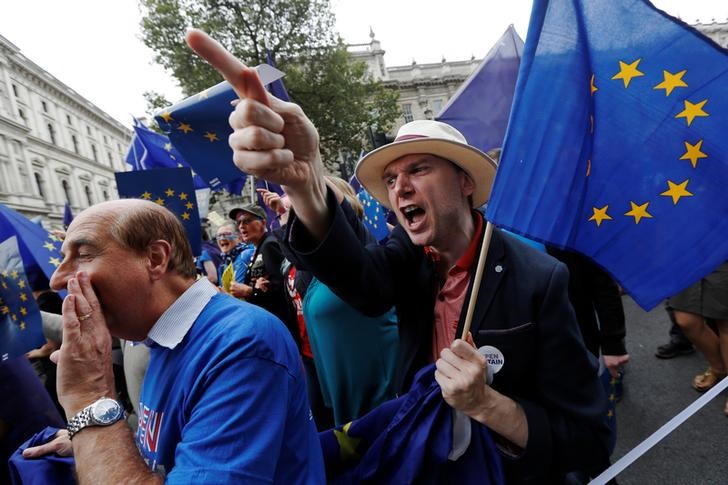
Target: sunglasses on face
244, 221
229, 237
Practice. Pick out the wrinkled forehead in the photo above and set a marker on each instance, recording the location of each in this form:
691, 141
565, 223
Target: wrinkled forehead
406, 161
88, 228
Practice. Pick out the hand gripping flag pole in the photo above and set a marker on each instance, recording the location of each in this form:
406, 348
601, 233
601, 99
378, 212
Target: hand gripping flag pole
478, 278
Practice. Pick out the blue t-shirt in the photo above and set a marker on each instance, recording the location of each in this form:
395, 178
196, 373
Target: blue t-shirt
228, 404
240, 264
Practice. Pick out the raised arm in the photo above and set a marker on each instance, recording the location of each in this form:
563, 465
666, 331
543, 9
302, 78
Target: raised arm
271, 139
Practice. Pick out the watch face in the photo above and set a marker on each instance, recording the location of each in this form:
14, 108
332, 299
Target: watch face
106, 411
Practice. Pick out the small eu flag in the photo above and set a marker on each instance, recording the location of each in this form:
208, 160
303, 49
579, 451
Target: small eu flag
616, 145
375, 214
198, 127
21, 328
40, 250
169, 187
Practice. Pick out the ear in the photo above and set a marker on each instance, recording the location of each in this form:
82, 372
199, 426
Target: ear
159, 253
467, 186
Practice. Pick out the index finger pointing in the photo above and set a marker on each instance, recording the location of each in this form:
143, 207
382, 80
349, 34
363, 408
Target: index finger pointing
244, 80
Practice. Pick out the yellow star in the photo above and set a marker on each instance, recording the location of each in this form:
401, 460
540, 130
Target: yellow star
159, 201
49, 246
189, 205
612, 397
610, 413
53, 238
168, 147
182, 196
14, 317
628, 71
692, 111
55, 262
677, 190
592, 87
672, 81
21, 284
5, 274
23, 297
166, 116
638, 212
186, 216
211, 136
600, 215
147, 195
23, 311
5, 310
169, 192
204, 94
22, 325
693, 153
347, 444
185, 128
14, 275
5, 285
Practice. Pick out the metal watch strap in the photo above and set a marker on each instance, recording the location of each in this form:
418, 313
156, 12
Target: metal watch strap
79, 421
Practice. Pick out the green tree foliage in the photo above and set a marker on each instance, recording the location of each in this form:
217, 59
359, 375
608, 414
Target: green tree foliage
336, 92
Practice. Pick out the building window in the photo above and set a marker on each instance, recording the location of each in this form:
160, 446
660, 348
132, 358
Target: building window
45, 106
21, 113
52, 133
75, 143
105, 194
106, 140
67, 191
69, 119
88, 129
40, 184
111, 160
436, 106
15, 91
93, 152
88, 195
407, 112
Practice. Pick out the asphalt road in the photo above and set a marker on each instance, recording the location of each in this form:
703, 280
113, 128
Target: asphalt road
655, 390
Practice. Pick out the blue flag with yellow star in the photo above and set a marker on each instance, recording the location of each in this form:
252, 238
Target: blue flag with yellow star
616, 145
169, 187
21, 328
150, 149
198, 127
40, 250
375, 214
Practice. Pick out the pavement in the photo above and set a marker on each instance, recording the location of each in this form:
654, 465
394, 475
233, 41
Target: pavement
655, 390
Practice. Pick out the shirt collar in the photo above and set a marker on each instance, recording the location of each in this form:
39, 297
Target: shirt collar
177, 320
466, 260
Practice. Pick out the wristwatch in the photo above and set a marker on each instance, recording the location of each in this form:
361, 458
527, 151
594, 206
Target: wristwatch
104, 412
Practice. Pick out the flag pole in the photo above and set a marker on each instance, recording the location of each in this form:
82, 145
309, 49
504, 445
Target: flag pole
478, 278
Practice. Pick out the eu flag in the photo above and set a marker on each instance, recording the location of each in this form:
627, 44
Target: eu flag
416, 438
169, 187
149, 150
480, 108
198, 127
616, 145
21, 328
375, 214
39, 249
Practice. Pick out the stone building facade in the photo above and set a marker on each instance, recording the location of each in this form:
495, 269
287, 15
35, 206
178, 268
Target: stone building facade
55, 145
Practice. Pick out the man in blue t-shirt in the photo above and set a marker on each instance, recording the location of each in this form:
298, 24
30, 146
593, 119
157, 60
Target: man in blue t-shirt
224, 397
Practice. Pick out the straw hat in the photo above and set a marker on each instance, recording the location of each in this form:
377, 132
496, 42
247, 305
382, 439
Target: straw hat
434, 138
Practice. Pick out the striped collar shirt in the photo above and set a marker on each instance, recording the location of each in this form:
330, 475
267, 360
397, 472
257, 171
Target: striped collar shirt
177, 320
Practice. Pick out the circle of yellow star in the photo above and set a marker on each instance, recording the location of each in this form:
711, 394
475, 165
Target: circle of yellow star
183, 196
159, 201
638, 212
211, 136
146, 195
693, 153
166, 116
692, 111
169, 192
628, 71
600, 215
592, 87
186, 216
186, 128
677, 190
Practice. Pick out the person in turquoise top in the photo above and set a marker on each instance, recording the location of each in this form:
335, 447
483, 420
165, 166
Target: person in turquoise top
355, 355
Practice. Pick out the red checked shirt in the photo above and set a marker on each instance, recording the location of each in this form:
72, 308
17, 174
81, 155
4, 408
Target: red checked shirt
450, 298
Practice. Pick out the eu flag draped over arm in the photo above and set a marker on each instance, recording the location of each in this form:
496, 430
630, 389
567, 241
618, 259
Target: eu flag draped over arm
198, 127
39, 249
149, 150
480, 108
169, 187
616, 146
21, 328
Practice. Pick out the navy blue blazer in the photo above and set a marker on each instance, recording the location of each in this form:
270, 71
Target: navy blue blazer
522, 309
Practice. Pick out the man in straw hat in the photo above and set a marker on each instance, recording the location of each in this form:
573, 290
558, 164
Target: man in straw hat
542, 399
